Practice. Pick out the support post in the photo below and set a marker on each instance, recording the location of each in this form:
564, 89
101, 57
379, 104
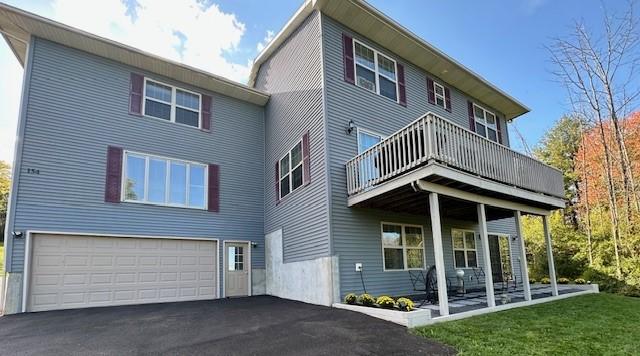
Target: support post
523, 258
486, 255
552, 267
436, 231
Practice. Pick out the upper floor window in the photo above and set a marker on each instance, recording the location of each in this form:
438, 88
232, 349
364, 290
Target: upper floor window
485, 122
169, 103
375, 72
465, 254
164, 181
438, 91
291, 170
403, 247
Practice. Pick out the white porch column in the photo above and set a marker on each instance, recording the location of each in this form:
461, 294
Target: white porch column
436, 231
552, 267
523, 258
486, 255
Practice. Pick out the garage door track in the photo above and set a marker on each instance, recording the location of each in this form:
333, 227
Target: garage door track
243, 326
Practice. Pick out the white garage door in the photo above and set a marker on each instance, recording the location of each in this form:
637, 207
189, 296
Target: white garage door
88, 271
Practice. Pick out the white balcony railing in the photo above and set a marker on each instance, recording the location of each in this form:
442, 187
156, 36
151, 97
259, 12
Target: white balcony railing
434, 138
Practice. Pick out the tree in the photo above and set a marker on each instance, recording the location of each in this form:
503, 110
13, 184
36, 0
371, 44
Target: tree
559, 147
600, 74
5, 184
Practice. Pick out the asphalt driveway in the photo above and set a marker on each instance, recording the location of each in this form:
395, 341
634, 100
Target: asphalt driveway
244, 326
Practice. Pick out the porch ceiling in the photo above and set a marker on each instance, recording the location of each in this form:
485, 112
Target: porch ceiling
406, 200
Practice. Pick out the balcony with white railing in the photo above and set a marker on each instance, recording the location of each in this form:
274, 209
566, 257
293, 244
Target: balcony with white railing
434, 140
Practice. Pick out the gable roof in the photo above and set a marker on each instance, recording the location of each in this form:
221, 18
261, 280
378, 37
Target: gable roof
17, 26
363, 18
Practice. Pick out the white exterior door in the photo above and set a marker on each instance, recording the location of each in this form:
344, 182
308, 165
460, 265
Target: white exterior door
69, 271
237, 265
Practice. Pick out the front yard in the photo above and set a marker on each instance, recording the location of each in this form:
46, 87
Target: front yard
597, 324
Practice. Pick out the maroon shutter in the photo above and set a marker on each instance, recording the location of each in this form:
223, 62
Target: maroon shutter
113, 178
499, 132
205, 115
431, 95
135, 94
472, 121
306, 162
347, 53
277, 181
402, 88
447, 99
213, 198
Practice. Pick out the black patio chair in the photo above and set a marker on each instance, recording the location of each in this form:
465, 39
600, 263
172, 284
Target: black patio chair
419, 282
432, 285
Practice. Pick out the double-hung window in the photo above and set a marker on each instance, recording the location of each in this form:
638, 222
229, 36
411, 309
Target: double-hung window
375, 71
163, 181
403, 247
438, 91
291, 170
464, 248
485, 123
169, 103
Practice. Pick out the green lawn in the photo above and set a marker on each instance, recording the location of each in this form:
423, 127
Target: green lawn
596, 324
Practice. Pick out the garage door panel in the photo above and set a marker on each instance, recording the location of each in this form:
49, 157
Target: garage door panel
102, 271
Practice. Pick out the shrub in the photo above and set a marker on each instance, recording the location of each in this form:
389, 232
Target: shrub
545, 280
405, 304
386, 302
630, 291
563, 280
366, 300
532, 280
580, 281
350, 298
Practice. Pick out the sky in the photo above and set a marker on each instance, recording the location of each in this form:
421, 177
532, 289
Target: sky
503, 41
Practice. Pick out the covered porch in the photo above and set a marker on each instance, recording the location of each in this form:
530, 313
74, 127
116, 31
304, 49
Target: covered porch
439, 170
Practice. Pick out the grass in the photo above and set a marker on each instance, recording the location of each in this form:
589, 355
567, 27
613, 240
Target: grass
596, 324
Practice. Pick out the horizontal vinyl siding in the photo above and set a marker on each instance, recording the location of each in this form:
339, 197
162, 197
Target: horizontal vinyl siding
293, 77
79, 104
356, 232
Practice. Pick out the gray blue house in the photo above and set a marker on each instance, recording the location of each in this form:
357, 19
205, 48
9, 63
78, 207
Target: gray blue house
357, 154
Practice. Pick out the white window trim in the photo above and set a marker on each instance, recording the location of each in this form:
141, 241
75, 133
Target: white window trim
173, 103
465, 249
368, 132
375, 71
484, 122
404, 247
291, 169
436, 95
147, 157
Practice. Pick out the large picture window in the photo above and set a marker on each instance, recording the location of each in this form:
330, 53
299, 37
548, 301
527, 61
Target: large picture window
465, 254
169, 103
163, 181
375, 71
403, 247
291, 170
485, 123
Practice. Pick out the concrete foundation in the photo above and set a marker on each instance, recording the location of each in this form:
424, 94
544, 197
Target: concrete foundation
310, 281
258, 282
13, 293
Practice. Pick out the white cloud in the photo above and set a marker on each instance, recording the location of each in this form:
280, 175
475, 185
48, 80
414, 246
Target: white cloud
186, 31
265, 41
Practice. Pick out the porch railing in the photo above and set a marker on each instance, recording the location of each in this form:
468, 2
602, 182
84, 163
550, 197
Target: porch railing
433, 138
